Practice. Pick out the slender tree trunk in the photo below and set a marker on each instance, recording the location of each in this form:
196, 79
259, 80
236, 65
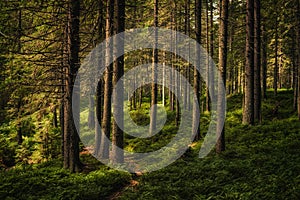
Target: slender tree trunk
295, 83
207, 100
163, 77
223, 37
211, 69
196, 112
172, 75
276, 67
61, 121
118, 71
134, 98
264, 63
106, 120
298, 54
176, 76
63, 82
98, 119
154, 74
248, 112
99, 87
71, 156
257, 62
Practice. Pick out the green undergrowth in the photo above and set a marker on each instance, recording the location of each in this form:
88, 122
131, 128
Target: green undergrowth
261, 162
50, 181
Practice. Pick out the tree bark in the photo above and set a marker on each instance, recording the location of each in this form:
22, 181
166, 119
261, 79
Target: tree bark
71, 138
248, 112
196, 112
106, 120
298, 54
264, 63
154, 74
223, 37
118, 71
276, 67
207, 100
257, 62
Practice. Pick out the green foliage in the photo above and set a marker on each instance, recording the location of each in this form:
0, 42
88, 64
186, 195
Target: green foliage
261, 162
50, 181
141, 117
7, 147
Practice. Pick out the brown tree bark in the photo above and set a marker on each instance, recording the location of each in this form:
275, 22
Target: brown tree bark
106, 120
98, 118
298, 54
223, 37
257, 62
196, 112
153, 111
276, 67
118, 71
99, 86
264, 63
71, 137
248, 112
207, 100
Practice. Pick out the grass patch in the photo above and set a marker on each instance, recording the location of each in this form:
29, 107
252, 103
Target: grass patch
50, 181
261, 162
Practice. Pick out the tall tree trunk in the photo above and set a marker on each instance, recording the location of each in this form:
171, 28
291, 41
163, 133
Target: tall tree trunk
154, 73
295, 82
196, 112
118, 71
99, 87
257, 62
276, 67
186, 32
248, 112
176, 76
63, 82
211, 69
223, 37
71, 148
207, 100
172, 75
163, 77
98, 118
264, 63
298, 54
106, 120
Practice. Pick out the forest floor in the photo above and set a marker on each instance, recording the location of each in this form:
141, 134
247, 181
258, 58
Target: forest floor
260, 162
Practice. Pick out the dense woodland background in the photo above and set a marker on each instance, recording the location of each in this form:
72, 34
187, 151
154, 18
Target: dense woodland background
256, 47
